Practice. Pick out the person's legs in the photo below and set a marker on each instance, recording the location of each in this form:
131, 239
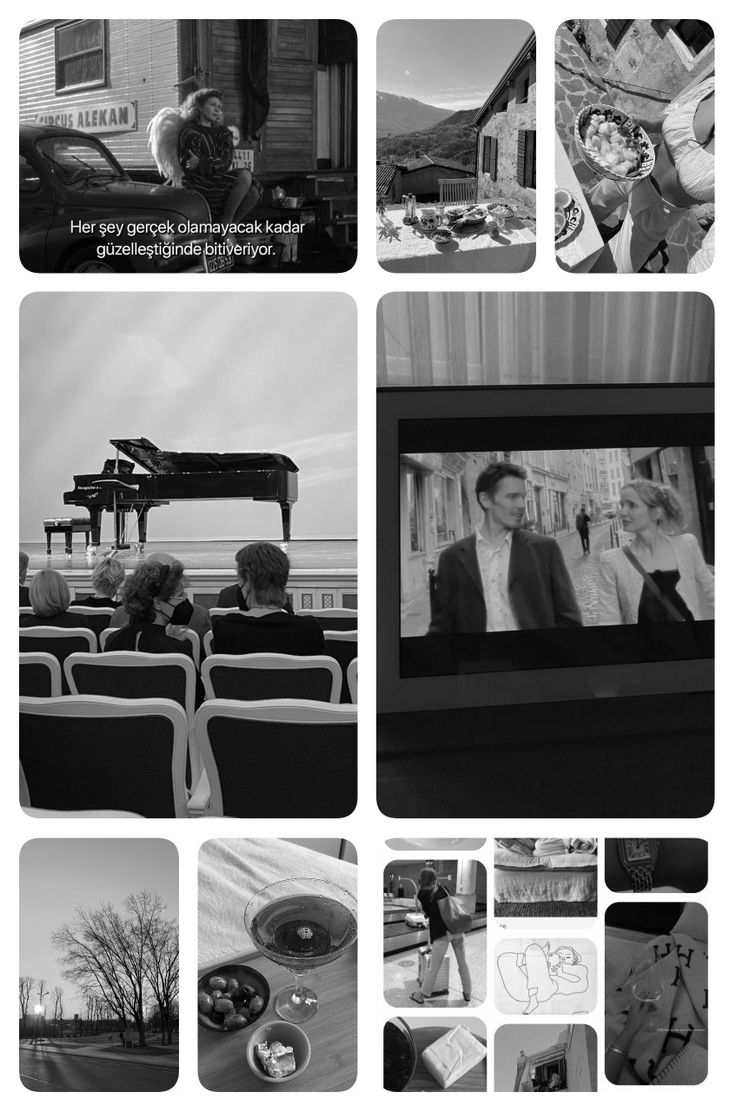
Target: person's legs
458, 945
439, 949
649, 220
242, 198
606, 197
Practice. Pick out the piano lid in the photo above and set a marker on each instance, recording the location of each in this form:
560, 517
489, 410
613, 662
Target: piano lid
159, 462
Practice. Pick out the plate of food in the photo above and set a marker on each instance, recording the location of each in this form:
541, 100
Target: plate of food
612, 144
471, 218
502, 208
231, 997
567, 222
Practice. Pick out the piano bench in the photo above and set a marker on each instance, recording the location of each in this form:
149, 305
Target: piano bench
67, 526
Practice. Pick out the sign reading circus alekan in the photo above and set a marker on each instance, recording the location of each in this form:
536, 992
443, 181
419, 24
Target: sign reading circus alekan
96, 119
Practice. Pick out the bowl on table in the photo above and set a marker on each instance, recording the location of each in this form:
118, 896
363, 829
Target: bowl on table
279, 1031
607, 163
249, 997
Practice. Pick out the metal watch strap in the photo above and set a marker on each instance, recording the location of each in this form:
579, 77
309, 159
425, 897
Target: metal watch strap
642, 877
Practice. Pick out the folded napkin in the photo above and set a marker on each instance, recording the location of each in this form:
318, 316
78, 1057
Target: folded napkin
452, 1055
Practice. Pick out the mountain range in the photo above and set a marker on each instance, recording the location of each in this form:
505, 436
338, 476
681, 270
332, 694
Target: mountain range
452, 137
396, 115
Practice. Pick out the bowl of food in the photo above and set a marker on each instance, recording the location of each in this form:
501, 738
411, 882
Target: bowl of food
501, 208
495, 223
399, 1055
612, 144
231, 997
442, 235
278, 1052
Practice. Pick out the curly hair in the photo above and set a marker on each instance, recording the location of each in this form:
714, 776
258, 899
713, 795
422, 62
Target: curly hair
266, 569
663, 500
192, 106
107, 576
49, 593
160, 577
495, 473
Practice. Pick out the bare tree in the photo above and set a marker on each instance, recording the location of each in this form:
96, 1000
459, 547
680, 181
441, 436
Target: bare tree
25, 988
124, 960
58, 1009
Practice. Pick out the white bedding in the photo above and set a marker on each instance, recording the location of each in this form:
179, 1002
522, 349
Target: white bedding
510, 859
231, 870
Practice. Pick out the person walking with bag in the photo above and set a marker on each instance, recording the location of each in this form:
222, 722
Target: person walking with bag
447, 926
661, 576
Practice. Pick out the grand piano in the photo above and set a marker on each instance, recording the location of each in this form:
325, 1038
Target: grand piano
180, 476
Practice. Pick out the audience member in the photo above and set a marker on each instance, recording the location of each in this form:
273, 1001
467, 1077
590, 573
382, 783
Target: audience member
25, 599
233, 595
50, 598
266, 626
146, 603
107, 576
167, 589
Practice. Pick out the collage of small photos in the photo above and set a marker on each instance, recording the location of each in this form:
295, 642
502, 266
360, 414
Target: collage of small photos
290, 318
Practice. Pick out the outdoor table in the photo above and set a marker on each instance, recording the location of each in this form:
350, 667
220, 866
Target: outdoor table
581, 251
405, 248
332, 1032
474, 1081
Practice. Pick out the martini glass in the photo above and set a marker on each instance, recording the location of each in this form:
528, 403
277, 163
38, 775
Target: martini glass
648, 988
301, 924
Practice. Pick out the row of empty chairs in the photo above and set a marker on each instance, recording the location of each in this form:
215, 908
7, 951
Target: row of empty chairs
263, 759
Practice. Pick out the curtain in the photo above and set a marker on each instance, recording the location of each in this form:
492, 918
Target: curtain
476, 339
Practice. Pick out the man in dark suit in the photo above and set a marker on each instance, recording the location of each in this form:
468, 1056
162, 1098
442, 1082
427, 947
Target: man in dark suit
502, 577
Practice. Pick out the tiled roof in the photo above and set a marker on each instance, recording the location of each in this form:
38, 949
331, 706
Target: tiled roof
443, 164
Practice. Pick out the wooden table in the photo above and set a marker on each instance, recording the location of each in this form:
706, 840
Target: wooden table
405, 248
581, 251
332, 1032
474, 1081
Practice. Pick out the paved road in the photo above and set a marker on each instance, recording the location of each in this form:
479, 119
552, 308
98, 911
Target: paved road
584, 569
46, 1069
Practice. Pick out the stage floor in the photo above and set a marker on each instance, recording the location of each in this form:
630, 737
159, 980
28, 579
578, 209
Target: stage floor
304, 555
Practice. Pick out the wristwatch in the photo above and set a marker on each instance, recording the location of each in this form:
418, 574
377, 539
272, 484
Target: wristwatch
638, 857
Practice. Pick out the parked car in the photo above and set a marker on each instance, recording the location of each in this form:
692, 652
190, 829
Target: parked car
78, 206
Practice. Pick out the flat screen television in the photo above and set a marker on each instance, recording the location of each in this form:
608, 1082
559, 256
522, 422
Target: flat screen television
577, 445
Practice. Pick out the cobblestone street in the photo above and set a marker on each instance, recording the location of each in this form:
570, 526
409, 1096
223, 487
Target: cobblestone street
584, 569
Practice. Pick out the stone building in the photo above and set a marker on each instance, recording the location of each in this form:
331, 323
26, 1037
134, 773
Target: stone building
506, 132
568, 1065
662, 55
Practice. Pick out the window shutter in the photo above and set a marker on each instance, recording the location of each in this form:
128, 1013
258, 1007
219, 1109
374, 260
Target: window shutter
487, 141
494, 159
520, 156
616, 29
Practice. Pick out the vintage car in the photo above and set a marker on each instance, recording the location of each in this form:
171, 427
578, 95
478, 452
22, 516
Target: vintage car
80, 211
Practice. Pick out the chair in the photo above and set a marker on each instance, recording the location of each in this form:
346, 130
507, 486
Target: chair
218, 611
138, 675
342, 644
455, 191
189, 635
60, 641
271, 676
96, 617
87, 752
334, 617
40, 675
207, 643
353, 679
286, 759
24, 610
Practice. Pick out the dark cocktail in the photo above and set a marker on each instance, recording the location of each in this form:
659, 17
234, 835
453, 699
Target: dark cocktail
301, 924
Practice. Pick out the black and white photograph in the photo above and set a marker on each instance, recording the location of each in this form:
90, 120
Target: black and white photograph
656, 864
449, 845
277, 978
635, 146
456, 171
422, 1056
435, 934
571, 567
546, 976
188, 145
98, 987
656, 993
545, 878
209, 564
544, 1058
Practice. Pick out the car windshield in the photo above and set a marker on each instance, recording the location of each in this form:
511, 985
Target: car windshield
75, 161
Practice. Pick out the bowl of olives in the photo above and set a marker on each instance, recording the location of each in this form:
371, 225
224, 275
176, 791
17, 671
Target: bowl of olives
231, 997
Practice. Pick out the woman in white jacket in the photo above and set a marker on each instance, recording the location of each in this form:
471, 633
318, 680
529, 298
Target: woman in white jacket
661, 576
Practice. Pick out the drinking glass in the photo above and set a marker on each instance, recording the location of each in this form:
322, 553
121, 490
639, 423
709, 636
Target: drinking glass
649, 988
301, 924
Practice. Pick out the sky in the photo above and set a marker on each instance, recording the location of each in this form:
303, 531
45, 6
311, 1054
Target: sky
450, 63
513, 1037
198, 372
60, 874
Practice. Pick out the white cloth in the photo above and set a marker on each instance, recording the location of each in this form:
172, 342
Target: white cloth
694, 164
493, 562
620, 585
231, 870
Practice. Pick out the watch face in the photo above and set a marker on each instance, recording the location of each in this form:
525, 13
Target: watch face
637, 849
